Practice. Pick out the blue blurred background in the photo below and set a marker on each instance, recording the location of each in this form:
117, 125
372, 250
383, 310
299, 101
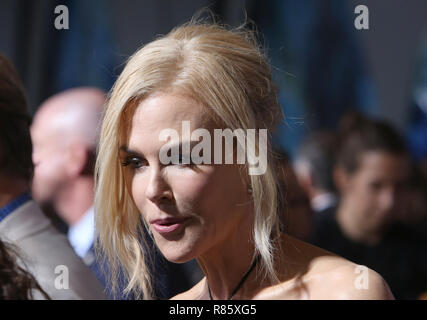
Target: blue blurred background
323, 65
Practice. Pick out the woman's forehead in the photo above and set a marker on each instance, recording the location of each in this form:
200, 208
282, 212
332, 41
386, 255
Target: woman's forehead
162, 111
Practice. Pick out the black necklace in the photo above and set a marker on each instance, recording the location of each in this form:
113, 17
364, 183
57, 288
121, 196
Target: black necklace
241, 281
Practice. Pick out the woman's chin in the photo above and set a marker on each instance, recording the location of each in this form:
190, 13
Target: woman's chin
176, 257
176, 253
180, 249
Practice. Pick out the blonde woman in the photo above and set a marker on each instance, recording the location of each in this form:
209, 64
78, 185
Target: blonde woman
222, 214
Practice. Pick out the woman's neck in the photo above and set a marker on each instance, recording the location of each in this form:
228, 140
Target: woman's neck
225, 264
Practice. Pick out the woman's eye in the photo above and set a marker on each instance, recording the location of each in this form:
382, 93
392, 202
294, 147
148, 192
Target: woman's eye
134, 162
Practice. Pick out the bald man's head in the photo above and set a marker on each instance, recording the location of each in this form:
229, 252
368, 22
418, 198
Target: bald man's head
65, 132
71, 115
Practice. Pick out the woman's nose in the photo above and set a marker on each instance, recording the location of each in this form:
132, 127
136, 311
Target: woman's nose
157, 189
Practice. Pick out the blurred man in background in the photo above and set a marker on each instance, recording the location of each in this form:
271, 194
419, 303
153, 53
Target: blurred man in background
65, 134
49, 257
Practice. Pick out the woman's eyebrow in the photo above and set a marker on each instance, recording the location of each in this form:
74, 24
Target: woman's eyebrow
125, 148
181, 144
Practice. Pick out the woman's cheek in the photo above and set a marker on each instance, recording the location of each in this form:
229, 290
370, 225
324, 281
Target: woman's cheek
194, 179
138, 187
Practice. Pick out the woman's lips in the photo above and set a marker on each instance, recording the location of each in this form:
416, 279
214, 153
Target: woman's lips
167, 225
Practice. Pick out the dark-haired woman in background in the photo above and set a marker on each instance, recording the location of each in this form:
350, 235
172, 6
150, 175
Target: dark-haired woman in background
371, 172
15, 282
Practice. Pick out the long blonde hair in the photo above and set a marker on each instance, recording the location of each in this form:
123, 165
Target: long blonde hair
228, 73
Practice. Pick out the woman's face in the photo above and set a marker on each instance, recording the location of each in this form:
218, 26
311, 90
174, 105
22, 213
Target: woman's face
189, 208
373, 190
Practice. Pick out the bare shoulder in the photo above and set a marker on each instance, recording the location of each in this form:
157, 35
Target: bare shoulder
193, 294
327, 276
337, 278
349, 281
